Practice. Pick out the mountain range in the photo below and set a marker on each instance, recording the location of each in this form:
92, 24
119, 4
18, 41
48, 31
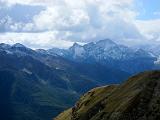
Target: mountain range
39, 84
108, 53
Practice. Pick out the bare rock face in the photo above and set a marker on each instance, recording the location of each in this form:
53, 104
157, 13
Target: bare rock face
136, 99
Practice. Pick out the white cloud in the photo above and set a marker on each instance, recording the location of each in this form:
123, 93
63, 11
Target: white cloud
71, 3
150, 29
35, 40
69, 21
31, 2
57, 19
87, 19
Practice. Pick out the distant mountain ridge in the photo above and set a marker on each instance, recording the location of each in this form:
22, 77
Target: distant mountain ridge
104, 52
107, 52
49, 81
36, 85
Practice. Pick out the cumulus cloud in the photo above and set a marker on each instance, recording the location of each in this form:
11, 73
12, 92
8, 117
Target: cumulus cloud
90, 20
57, 19
150, 29
5, 23
30, 2
69, 21
72, 3
35, 40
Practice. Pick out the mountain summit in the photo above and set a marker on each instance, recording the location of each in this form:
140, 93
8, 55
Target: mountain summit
105, 43
108, 53
18, 45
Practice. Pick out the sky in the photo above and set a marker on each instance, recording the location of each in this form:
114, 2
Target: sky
60, 23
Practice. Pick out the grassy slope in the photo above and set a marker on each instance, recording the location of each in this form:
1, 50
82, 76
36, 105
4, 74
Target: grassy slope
136, 99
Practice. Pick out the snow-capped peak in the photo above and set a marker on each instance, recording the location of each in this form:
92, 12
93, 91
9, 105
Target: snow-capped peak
106, 43
76, 45
5, 46
77, 50
18, 45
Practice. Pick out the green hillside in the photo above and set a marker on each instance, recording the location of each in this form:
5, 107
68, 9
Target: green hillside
136, 99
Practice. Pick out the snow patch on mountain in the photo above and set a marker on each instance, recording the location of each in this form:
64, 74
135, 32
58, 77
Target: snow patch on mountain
18, 45
4, 46
79, 51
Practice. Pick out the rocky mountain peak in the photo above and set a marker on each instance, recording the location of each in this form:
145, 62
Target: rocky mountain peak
18, 45
4, 46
